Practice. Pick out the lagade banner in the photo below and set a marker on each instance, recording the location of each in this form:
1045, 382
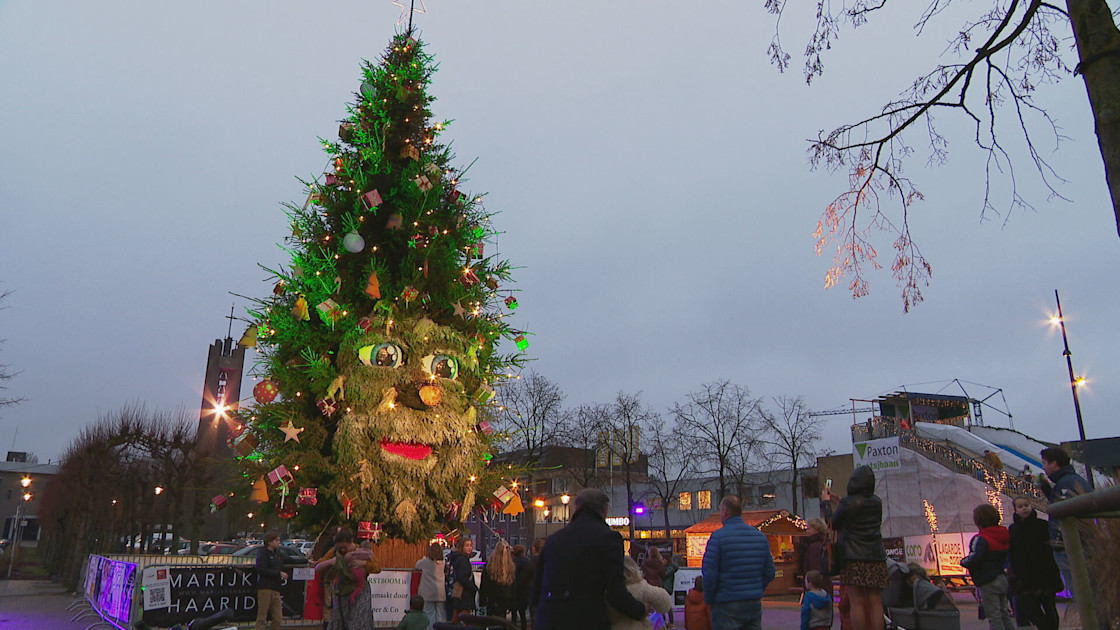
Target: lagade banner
200, 591
878, 454
939, 554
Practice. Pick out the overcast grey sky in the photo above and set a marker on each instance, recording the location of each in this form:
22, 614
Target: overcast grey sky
649, 170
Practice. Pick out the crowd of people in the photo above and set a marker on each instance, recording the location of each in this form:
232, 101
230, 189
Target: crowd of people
581, 579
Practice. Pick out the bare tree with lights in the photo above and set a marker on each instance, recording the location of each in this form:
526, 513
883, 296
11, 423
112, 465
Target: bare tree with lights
996, 60
724, 420
791, 437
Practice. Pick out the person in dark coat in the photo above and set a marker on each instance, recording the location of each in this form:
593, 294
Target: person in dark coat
462, 575
579, 572
1033, 573
653, 568
522, 583
863, 558
270, 578
814, 547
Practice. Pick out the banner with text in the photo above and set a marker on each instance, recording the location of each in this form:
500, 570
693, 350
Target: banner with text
188, 592
389, 593
940, 554
878, 454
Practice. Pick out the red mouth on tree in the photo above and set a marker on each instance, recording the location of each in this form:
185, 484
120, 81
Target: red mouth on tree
410, 450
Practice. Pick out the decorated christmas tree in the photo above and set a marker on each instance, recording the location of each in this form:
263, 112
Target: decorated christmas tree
380, 342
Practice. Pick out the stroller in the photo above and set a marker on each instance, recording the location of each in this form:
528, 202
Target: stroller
918, 606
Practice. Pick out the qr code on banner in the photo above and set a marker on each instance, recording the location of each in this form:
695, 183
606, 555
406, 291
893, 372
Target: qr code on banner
156, 596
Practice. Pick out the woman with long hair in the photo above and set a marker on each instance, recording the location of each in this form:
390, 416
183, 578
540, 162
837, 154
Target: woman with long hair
653, 568
863, 573
317, 604
496, 592
432, 587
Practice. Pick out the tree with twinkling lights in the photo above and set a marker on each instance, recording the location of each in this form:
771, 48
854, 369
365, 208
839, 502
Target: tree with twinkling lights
380, 344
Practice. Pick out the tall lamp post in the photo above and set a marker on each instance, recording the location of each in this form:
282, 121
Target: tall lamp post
1074, 383
25, 482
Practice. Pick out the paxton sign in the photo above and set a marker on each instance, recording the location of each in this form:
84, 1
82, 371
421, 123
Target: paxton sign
878, 454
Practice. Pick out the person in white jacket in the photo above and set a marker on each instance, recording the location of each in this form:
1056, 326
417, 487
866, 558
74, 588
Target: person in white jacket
655, 598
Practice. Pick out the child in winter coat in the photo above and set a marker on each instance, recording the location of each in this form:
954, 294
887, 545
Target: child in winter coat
415, 618
697, 612
816, 604
985, 561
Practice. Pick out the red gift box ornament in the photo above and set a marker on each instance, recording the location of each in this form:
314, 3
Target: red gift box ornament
457, 197
279, 475
347, 503
328, 406
409, 151
308, 496
422, 182
371, 199
369, 530
485, 428
469, 278
330, 179
365, 324
218, 503
245, 444
410, 293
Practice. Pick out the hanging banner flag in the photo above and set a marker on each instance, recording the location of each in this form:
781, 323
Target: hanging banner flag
878, 454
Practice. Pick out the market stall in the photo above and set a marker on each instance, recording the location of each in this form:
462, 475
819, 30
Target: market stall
781, 528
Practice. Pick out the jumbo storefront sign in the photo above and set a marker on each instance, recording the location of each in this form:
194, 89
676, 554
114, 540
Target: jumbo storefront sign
176, 594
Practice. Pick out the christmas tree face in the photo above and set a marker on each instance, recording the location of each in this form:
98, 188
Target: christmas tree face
379, 339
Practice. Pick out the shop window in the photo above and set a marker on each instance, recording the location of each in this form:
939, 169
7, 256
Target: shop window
748, 496
684, 501
704, 500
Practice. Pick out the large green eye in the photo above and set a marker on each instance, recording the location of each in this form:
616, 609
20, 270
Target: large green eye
382, 355
441, 365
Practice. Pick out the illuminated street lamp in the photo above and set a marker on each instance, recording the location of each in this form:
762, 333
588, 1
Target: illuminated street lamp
1074, 383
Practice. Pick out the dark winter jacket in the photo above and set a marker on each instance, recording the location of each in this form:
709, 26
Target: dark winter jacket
737, 563
269, 566
859, 519
462, 572
811, 553
522, 582
495, 595
1031, 568
987, 554
653, 571
579, 572
1065, 483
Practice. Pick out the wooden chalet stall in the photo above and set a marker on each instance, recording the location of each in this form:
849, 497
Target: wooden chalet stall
781, 528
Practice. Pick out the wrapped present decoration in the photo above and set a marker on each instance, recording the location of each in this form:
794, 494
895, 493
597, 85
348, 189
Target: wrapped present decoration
218, 502
280, 475
371, 199
328, 406
478, 249
483, 394
370, 530
346, 132
245, 444
457, 197
410, 293
484, 428
431, 168
411, 152
511, 303
365, 324
330, 179
308, 496
422, 182
329, 311
504, 494
522, 342
347, 504
469, 278
492, 283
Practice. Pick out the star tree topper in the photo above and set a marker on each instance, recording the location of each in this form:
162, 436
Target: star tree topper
291, 431
406, 11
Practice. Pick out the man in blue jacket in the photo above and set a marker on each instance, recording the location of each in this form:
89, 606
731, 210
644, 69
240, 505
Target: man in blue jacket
737, 567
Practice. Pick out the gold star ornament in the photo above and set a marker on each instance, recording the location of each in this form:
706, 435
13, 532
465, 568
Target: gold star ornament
291, 431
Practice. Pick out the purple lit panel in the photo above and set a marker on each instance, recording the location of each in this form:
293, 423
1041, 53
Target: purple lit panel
114, 598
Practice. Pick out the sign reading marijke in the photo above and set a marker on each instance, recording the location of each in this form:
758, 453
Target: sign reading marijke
878, 454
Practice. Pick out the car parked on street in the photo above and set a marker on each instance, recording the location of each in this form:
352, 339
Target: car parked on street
289, 555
